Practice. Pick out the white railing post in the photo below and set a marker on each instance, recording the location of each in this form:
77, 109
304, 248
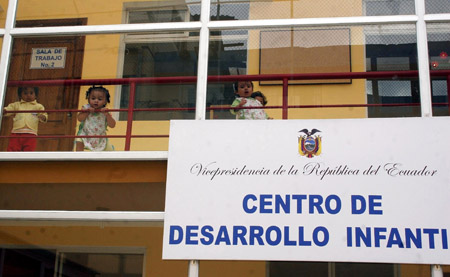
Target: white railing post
6, 50
436, 271
193, 269
202, 69
423, 63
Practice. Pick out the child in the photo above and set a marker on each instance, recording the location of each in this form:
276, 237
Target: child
95, 119
25, 124
260, 97
243, 91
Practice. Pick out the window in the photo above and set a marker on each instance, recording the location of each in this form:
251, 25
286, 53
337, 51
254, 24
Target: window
70, 263
437, 6
162, 54
439, 51
167, 58
392, 52
389, 7
175, 54
396, 50
316, 269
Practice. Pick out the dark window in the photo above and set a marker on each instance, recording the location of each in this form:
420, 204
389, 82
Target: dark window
392, 53
161, 59
49, 263
321, 269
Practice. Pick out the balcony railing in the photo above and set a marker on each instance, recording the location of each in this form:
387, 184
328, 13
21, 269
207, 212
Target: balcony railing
285, 78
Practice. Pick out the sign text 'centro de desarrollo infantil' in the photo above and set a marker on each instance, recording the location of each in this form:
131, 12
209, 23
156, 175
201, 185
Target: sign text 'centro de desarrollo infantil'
358, 190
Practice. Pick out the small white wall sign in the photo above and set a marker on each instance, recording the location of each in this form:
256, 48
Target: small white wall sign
48, 58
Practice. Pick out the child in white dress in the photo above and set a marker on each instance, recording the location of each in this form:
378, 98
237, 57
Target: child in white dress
95, 119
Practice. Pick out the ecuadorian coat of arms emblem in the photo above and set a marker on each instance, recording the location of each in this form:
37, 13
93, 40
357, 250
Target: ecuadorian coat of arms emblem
309, 143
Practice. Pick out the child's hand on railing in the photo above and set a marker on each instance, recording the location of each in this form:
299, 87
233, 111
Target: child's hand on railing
109, 119
42, 117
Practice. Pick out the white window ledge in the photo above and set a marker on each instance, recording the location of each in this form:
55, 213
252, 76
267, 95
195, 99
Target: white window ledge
83, 216
80, 156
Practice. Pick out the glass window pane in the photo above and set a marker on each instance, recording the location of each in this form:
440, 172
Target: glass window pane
151, 16
48, 58
364, 269
3, 12
392, 49
102, 264
123, 64
287, 269
230, 10
162, 58
109, 12
282, 269
322, 61
437, 6
439, 51
389, 7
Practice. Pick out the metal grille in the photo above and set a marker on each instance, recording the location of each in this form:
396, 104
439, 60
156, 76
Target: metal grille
389, 7
229, 10
437, 6
260, 9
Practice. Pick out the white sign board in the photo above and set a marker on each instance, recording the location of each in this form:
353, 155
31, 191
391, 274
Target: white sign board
351, 190
48, 58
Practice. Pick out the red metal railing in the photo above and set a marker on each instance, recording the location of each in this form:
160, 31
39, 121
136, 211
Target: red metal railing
285, 78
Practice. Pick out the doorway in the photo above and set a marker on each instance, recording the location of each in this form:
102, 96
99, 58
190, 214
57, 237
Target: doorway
52, 97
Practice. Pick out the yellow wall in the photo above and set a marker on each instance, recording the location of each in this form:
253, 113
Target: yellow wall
3, 10
232, 268
280, 9
53, 234
101, 234
97, 236
97, 12
82, 172
85, 186
353, 93
415, 270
